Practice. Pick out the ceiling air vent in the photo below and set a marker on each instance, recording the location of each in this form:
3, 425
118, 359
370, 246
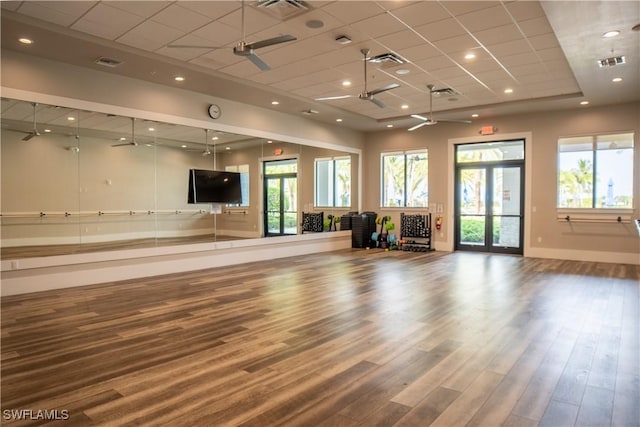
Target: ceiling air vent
610, 62
388, 57
444, 91
283, 9
108, 62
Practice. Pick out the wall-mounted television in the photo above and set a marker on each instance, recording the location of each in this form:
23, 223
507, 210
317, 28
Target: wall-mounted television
209, 186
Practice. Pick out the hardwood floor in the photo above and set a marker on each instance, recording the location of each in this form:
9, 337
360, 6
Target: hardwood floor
351, 338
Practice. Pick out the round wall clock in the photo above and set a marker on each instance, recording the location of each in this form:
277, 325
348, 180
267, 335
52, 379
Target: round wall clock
214, 111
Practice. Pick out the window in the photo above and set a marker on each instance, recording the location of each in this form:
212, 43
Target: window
333, 182
405, 179
244, 182
596, 172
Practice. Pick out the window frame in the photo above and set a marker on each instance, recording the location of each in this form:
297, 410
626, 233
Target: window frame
333, 181
594, 141
405, 154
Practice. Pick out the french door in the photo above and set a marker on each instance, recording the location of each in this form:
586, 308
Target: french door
489, 203
280, 198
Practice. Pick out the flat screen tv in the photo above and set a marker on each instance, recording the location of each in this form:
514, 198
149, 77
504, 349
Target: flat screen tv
208, 186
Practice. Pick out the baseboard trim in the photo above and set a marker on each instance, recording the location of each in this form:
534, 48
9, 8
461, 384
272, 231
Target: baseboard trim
582, 255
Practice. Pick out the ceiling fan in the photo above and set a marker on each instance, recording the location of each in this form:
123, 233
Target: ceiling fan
428, 121
133, 141
247, 49
32, 133
365, 95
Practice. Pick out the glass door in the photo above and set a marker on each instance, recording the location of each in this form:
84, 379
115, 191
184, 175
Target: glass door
489, 198
281, 197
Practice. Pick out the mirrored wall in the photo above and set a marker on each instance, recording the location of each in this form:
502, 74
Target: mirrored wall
80, 181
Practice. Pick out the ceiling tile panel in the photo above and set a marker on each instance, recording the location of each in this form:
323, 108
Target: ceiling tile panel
144, 9
149, 36
535, 26
58, 12
421, 13
434, 63
107, 22
519, 59
523, 10
352, 11
379, 25
460, 43
215, 34
254, 21
484, 19
463, 7
180, 18
513, 47
419, 52
398, 41
440, 30
211, 9
500, 34
544, 41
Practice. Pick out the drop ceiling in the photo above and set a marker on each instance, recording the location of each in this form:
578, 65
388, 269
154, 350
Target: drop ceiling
546, 52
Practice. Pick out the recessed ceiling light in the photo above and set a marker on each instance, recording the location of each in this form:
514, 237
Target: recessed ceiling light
215, 138
152, 129
47, 130
403, 71
475, 116
617, 79
71, 118
122, 138
269, 142
149, 145
404, 106
227, 148
183, 146
584, 102
338, 120
25, 40
346, 83
179, 78
470, 55
389, 126
610, 34
508, 90
275, 103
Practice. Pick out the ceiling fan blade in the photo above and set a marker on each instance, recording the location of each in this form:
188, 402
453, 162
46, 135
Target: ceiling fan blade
124, 144
419, 125
418, 116
31, 135
455, 121
383, 89
258, 62
376, 101
270, 42
326, 98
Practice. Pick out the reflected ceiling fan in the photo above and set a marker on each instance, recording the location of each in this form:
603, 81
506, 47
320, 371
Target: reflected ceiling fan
246, 49
428, 121
133, 141
33, 132
207, 151
365, 95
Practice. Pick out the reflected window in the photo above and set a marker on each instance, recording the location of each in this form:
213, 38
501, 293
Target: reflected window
333, 182
244, 183
596, 172
405, 179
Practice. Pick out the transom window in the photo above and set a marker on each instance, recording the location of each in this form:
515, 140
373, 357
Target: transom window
596, 172
405, 179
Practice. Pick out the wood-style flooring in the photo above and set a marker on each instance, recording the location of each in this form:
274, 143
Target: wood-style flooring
350, 338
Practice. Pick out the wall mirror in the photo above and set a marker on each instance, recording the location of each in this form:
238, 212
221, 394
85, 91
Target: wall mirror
76, 181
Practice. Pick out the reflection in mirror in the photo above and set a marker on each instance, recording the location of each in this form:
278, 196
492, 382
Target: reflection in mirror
80, 181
